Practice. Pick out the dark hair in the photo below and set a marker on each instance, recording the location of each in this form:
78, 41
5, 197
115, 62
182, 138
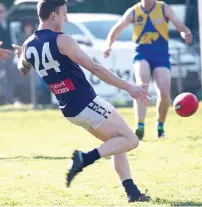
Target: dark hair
46, 7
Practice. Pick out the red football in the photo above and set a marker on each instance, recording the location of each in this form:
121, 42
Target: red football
186, 104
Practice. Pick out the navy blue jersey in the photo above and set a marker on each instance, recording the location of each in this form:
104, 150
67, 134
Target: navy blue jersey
64, 77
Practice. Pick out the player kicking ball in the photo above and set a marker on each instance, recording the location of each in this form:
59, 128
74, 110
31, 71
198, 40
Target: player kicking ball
56, 58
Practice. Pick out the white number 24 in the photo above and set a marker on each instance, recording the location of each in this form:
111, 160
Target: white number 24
51, 64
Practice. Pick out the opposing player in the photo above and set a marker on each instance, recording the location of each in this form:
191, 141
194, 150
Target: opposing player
56, 57
4, 53
151, 57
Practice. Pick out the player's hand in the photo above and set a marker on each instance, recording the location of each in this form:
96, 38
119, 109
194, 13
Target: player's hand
18, 50
107, 52
140, 93
187, 36
4, 53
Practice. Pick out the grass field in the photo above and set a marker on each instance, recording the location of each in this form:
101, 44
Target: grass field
35, 148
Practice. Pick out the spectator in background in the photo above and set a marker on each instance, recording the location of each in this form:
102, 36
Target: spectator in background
27, 31
4, 28
21, 90
5, 92
4, 55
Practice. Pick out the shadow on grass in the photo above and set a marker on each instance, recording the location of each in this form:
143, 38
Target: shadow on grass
42, 157
39, 157
176, 203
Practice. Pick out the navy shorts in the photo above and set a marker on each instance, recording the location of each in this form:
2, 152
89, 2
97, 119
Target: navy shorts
153, 61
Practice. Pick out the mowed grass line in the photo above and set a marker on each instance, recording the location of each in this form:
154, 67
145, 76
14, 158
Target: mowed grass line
35, 147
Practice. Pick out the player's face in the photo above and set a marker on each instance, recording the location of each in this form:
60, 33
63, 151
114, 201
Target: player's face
61, 17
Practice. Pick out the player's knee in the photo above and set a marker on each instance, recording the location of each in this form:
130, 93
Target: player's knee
134, 141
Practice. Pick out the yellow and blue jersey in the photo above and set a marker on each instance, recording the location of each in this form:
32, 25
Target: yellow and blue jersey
151, 34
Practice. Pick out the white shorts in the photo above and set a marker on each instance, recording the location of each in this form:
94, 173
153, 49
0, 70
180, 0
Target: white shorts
93, 115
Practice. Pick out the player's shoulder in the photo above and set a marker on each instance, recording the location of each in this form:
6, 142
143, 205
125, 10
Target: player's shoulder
161, 4
129, 11
64, 36
136, 5
64, 39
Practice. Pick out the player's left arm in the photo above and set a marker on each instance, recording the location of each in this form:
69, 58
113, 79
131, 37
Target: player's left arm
23, 65
185, 32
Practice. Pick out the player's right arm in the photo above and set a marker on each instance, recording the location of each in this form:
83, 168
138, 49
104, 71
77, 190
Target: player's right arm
69, 47
117, 28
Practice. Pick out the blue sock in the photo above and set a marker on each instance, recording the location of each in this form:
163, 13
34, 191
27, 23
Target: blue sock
140, 125
90, 157
160, 124
130, 188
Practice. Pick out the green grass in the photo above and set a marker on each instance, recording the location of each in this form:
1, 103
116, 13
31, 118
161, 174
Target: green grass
35, 148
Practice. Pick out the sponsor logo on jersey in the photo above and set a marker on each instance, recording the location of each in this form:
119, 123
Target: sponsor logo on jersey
62, 87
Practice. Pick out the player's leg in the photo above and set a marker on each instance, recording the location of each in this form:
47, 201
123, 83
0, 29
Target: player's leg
116, 134
100, 117
117, 138
120, 161
121, 166
142, 72
162, 79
